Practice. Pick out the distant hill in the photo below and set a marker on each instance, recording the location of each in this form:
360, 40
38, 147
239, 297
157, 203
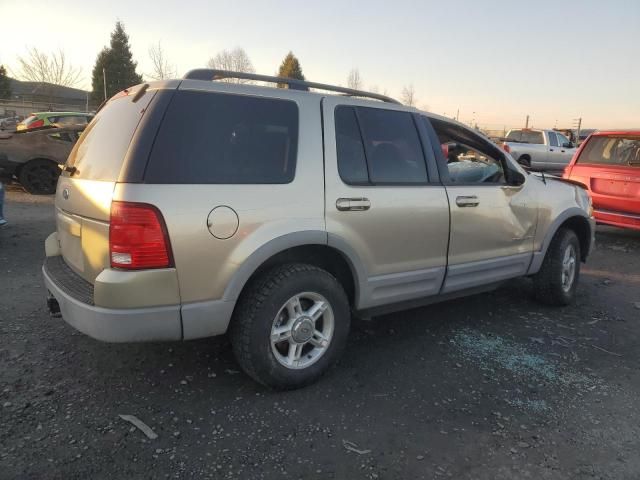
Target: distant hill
46, 92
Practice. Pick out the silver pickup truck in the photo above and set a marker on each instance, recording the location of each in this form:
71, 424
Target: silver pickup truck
546, 150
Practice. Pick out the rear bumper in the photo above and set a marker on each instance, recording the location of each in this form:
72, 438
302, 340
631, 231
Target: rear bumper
618, 219
107, 324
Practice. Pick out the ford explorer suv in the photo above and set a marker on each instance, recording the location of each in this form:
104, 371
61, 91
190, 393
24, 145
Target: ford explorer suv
282, 212
541, 150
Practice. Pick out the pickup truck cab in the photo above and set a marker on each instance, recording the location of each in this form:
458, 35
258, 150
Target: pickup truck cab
281, 212
543, 150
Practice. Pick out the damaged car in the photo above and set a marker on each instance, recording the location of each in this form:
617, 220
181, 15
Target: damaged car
33, 157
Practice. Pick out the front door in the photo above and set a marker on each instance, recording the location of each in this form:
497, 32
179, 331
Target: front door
492, 222
383, 204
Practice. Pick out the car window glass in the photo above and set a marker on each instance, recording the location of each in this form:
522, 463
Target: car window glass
352, 163
100, 151
221, 138
470, 158
622, 151
526, 136
562, 140
553, 139
468, 165
392, 146
62, 137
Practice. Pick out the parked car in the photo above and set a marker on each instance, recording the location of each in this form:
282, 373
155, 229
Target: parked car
542, 150
32, 157
9, 123
43, 119
608, 164
281, 211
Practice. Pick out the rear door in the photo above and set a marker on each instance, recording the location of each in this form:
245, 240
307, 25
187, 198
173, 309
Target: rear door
610, 166
83, 197
383, 202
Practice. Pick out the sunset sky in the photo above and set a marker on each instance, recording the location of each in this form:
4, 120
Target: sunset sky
495, 61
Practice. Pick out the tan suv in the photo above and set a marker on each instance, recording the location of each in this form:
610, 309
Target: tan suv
194, 207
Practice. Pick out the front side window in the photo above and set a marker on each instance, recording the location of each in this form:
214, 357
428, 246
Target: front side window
378, 146
215, 138
562, 140
553, 139
470, 159
621, 151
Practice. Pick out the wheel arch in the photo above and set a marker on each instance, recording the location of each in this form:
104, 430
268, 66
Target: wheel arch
311, 247
574, 219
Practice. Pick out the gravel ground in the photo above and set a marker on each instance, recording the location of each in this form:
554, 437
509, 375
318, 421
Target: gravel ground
493, 386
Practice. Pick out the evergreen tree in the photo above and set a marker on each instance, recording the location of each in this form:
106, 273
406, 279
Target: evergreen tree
117, 62
290, 68
5, 84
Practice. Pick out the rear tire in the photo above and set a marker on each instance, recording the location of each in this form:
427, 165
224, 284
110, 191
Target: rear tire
39, 177
557, 280
285, 343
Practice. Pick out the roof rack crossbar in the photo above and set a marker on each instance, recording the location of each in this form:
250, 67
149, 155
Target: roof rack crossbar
209, 74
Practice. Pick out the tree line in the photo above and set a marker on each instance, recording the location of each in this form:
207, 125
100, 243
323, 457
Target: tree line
115, 69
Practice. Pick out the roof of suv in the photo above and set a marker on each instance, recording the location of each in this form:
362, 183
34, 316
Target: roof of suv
207, 74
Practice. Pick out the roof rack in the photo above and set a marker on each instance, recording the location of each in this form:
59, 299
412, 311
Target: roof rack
209, 74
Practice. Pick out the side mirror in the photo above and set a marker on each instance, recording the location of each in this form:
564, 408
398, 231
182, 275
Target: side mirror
516, 178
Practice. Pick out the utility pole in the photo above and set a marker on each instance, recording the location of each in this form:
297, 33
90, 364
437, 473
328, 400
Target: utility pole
526, 125
457, 115
86, 106
104, 82
577, 122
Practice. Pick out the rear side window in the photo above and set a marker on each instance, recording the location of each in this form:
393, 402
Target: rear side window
621, 151
100, 151
526, 136
220, 138
352, 163
387, 140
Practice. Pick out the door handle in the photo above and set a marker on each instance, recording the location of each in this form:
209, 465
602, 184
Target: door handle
470, 201
551, 149
353, 204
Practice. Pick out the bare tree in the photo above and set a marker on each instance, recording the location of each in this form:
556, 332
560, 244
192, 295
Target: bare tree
235, 60
162, 69
409, 95
354, 80
41, 67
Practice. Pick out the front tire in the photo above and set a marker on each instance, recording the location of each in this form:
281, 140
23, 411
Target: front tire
290, 325
557, 280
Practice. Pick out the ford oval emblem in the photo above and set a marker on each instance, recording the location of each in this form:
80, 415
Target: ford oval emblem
65, 194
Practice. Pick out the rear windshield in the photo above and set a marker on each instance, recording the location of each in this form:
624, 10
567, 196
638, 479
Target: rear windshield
221, 138
101, 149
525, 136
620, 150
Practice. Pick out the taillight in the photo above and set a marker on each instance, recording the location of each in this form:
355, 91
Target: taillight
36, 124
138, 237
506, 148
